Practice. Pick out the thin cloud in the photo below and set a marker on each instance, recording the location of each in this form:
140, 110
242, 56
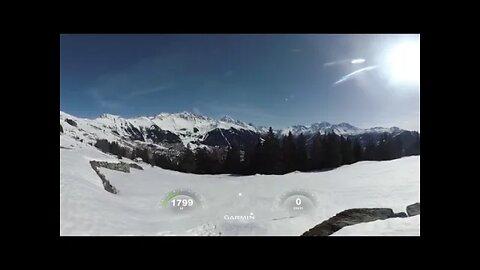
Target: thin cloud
351, 61
104, 103
358, 61
290, 97
148, 91
354, 74
196, 111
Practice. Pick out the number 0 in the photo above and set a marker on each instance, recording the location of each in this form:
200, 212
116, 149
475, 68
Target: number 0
298, 201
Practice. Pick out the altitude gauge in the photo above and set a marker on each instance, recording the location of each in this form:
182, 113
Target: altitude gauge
181, 201
298, 202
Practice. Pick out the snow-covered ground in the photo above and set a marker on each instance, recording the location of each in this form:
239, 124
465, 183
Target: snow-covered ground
389, 227
87, 209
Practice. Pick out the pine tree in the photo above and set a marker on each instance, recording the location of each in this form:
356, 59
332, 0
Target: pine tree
416, 146
257, 161
383, 150
333, 151
347, 150
318, 152
232, 160
289, 151
203, 162
272, 153
152, 158
301, 153
103, 145
397, 148
357, 151
371, 151
187, 162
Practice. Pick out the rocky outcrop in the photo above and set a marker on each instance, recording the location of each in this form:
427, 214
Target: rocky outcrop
347, 218
61, 128
106, 184
413, 209
358, 215
71, 122
158, 135
122, 166
134, 133
135, 166
227, 137
401, 214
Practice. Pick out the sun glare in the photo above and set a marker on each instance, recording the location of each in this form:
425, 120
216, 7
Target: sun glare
404, 62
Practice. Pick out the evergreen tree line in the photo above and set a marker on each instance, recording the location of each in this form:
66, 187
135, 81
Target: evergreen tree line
147, 155
273, 155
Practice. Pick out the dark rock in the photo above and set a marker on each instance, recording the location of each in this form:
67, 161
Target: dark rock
71, 122
106, 184
122, 166
61, 128
134, 133
347, 218
413, 209
158, 135
226, 137
103, 145
195, 130
401, 214
135, 166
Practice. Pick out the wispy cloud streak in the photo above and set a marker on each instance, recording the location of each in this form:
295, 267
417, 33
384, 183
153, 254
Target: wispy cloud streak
352, 61
148, 91
354, 74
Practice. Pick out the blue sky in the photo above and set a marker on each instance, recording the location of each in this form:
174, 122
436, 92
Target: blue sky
273, 80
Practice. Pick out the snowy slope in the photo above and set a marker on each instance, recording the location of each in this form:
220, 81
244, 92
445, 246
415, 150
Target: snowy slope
87, 209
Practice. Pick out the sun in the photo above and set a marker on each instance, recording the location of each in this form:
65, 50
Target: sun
403, 62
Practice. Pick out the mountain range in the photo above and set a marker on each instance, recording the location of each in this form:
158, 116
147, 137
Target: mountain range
173, 132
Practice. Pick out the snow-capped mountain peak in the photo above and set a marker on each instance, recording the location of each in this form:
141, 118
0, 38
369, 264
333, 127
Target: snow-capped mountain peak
190, 128
109, 116
227, 118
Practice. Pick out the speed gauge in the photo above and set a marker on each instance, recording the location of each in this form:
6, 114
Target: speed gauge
298, 202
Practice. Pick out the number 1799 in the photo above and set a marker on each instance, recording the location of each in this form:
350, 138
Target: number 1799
184, 202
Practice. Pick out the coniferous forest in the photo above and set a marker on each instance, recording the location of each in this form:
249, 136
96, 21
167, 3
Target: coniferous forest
275, 155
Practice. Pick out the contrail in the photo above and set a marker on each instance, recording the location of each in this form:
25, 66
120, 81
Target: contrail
358, 61
352, 61
353, 74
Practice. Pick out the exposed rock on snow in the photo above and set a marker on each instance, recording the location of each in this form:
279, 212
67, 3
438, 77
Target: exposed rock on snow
106, 184
136, 166
359, 215
122, 166
413, 209
347, 218
71, 122
401, 214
